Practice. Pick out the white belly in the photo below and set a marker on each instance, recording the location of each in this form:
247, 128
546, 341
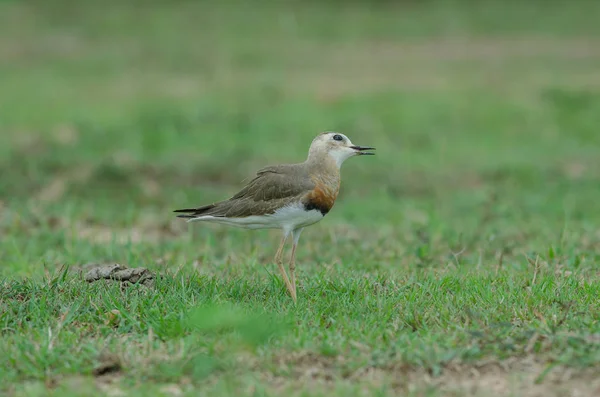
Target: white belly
288, 218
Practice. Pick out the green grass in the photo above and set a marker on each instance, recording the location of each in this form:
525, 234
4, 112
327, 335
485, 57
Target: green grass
465, 254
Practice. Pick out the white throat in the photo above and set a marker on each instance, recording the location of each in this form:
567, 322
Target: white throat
340, 155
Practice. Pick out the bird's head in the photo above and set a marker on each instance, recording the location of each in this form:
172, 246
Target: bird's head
337, 146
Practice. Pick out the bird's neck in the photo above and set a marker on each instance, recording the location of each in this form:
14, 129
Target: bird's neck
322, 163
324, 168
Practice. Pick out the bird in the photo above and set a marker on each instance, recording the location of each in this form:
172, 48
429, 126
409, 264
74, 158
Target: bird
288, 197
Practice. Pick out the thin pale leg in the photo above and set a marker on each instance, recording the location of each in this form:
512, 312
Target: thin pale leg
279, 261
295, 237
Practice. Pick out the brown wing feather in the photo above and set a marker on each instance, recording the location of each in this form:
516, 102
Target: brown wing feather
271, 188
276, 182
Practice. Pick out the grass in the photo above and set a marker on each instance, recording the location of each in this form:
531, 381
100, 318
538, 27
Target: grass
461, 260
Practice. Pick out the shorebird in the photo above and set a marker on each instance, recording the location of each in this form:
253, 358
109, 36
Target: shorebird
289, 197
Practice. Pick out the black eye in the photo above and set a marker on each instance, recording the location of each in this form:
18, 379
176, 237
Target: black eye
338, 137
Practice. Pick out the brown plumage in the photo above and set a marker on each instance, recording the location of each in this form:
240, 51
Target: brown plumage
289, 196
271, 188
325, 192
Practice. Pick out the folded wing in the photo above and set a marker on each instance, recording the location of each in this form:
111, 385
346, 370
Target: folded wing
271, 188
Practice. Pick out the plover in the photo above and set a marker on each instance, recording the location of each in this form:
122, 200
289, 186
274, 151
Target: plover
289, 197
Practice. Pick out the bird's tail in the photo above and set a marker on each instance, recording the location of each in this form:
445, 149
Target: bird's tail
190, 213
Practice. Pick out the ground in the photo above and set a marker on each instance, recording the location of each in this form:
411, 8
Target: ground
461, 260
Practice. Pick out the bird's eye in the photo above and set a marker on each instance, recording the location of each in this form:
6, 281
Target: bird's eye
338, 137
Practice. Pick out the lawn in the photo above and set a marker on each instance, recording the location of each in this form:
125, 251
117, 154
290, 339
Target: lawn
462, 260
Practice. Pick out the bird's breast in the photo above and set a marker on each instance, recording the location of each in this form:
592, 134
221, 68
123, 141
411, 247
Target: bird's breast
323, 196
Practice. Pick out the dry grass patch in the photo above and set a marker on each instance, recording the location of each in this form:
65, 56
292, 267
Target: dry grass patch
522, 376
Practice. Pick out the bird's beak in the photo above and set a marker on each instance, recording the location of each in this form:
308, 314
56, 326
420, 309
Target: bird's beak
361, 150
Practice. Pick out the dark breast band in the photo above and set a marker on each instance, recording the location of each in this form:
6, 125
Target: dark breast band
315, 205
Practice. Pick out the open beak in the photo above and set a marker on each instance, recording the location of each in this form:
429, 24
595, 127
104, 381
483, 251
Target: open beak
361, 150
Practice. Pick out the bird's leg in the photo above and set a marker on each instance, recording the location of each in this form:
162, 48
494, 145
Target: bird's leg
293, 271
295, 238
279, 261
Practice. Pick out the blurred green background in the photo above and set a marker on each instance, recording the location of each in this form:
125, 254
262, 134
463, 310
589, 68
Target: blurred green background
472, 235
485, 116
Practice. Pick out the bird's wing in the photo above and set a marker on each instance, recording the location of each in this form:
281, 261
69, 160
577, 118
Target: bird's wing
271, 188
276, 182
